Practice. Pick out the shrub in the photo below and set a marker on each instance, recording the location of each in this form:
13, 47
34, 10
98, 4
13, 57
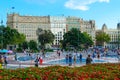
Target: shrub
105, 71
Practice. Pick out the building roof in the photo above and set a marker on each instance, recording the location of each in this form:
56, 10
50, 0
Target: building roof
104, 27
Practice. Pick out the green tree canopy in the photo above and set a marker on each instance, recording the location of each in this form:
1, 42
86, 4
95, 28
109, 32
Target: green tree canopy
74, 38
88, 40
24, 45
102, 37
44, 36
10, 36
32, 45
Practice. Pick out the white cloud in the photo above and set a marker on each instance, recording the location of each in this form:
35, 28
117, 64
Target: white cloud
81, 4
104, 0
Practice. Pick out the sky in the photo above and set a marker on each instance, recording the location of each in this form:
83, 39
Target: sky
102, 11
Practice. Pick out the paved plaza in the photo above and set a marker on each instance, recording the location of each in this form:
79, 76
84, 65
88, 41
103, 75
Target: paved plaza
12, 63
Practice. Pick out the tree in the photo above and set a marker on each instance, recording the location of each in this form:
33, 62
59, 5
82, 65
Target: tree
19, 39
24, 45
1, 36
73, 38
101, 38
10, 36
88, 40
44, 36
32, 45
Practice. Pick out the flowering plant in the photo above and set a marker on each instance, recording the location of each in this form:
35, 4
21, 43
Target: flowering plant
105, 71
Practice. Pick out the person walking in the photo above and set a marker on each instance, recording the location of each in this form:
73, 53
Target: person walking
80, 57
41, 60
67, 58
74, 59
70, 59
88, 59
15, 57
5, 61
36, 62
98, 55
93, 55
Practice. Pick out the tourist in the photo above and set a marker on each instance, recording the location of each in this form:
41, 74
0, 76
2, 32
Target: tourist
80, 57
58, 52
67, 58
119, 57
25, 52
93, 55
15, 57
5, 61
43, 53
88, 59
70, 59
36, 62
40, 60
74, 59
98, 55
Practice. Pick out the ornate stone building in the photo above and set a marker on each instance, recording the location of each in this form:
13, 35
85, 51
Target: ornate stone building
88, 27
114, 36
84, 26
57, 24
28, 24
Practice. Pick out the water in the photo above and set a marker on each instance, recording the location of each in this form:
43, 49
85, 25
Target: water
26, 58
63, 61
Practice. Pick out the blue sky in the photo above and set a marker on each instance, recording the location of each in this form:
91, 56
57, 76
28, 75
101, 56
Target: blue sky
102, 11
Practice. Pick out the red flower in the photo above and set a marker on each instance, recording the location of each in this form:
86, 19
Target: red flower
116, 78
27, 79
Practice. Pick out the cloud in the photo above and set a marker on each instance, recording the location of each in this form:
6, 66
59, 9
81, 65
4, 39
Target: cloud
81, 4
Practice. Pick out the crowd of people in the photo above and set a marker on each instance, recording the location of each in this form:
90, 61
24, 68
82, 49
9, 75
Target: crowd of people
71, 57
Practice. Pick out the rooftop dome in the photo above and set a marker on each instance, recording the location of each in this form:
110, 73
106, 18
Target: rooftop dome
104, 27
118, 26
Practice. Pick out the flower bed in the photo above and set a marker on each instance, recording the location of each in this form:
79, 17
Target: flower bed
105, 71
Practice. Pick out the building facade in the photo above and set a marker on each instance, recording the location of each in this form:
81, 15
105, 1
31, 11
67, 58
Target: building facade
58, 25
28, 24
84, 26
72, 22
58, 28
114, 36
88, 27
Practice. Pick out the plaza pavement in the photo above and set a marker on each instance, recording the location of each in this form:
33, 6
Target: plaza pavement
31, 63
53, 56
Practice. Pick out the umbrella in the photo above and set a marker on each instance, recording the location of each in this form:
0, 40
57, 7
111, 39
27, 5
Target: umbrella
4, 51
10, 51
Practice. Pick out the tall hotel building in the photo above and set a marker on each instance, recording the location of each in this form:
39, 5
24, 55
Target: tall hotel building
57, 24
